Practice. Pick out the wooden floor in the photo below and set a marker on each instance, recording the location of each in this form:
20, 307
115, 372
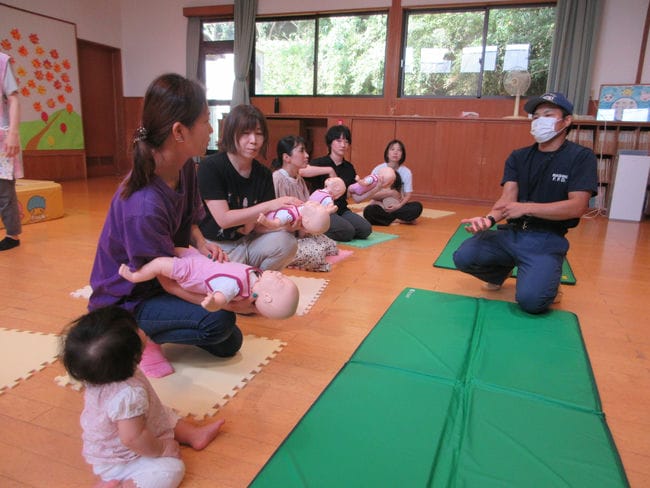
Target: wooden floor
39, 421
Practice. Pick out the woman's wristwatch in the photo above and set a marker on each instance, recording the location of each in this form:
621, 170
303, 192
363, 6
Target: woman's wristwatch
492, 220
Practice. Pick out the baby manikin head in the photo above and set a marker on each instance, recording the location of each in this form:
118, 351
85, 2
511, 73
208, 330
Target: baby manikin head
386, 176
335, 186
315, 218
276, 296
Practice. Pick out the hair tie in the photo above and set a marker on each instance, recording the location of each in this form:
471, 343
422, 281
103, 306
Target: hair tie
140, 134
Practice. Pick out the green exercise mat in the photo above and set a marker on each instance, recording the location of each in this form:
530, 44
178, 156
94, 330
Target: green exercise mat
446, 260
374, 238
453, 391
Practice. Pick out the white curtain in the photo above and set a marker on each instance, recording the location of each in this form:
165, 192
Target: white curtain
245, 11
192, 48
574, 44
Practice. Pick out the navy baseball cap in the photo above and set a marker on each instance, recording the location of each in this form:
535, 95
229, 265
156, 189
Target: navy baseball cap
556, 98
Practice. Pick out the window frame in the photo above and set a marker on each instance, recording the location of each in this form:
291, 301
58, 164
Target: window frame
213, 47
486, 9
207, 48
317, 18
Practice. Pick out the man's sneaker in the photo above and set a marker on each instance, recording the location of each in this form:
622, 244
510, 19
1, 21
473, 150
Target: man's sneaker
490, 287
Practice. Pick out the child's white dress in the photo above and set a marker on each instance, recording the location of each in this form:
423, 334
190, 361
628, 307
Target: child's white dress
102, 448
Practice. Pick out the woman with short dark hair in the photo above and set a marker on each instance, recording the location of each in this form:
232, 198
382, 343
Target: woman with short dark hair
345, 225
236, 189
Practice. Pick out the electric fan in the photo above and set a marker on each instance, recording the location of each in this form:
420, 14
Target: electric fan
516, 82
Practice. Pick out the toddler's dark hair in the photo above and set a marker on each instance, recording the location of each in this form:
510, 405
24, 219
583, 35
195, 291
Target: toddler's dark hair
102, 346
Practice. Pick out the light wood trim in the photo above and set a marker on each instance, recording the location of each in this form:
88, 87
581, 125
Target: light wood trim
644, 42
392, 63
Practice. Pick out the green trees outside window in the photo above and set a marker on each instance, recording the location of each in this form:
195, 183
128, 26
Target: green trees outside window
322, 55
467, 52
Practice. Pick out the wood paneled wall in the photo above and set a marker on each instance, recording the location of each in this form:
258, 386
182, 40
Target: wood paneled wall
451, 157
55, 165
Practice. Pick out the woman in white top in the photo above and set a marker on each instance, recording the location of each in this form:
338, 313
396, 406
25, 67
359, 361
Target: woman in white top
394, 204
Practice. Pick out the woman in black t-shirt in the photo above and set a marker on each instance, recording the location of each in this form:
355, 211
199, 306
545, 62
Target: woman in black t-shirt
345, 225
236, 189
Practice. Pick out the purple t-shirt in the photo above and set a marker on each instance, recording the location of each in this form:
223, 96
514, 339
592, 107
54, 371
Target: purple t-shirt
148, 224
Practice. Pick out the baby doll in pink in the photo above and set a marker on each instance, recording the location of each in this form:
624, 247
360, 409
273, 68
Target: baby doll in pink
333, 189
129, 437
365, 187
271, 293
314, 218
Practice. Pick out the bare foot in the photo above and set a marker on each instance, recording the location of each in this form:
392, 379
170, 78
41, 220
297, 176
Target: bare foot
206, 434
197, 436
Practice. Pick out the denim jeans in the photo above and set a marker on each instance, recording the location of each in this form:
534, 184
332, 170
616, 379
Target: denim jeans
538, 255
166, 318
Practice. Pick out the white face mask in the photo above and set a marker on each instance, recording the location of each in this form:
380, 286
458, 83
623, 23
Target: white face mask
543, 128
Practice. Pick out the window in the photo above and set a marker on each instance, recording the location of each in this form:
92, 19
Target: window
321, 55
468, 52
217, 70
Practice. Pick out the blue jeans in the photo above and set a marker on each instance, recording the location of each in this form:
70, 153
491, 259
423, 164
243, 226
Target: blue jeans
538, 255
166, 318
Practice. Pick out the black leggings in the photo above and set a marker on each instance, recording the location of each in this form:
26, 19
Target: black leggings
376, 215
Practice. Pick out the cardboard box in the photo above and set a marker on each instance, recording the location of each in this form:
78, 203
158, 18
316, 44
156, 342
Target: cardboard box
38, 200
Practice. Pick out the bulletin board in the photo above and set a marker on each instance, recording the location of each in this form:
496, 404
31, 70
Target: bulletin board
624, 103
44, 63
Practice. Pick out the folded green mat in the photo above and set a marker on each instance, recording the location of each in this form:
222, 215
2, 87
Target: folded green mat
446, 260
374, 238
453, 391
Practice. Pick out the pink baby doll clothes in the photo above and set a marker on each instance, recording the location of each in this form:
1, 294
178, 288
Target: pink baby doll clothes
370, 182
321, 196
199, 274
285, 215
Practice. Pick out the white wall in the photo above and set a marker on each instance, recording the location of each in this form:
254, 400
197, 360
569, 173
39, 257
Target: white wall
151, 33
97, 20
619, 44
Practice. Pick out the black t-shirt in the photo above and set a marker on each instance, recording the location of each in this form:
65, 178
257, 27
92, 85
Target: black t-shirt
545, 177
345, 171
219, 180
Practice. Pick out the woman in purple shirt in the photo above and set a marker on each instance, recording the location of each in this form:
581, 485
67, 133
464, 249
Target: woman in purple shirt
157, 208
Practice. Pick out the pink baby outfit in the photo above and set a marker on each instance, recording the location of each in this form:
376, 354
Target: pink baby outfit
322, 196
286, 215
199, 274
369, 182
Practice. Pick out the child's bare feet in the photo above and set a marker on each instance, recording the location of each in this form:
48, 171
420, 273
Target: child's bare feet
206, 434
197, 436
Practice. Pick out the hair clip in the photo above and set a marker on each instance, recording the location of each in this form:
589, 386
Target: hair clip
140, 134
